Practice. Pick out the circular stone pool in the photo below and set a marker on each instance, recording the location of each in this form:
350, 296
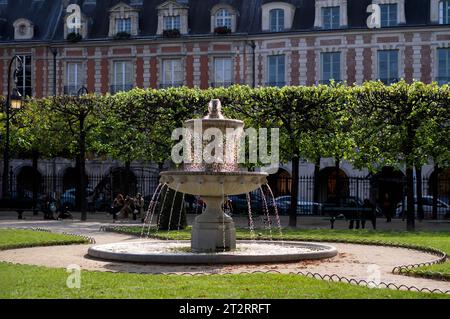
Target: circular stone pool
179, 252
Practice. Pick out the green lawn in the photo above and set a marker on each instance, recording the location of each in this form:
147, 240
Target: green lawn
38, 282
22, 281
16, 238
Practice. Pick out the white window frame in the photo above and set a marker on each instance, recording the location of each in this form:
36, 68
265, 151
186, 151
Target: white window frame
439, 76
322, 69
227, 79
224, 18
123, 25
123, 82
78, 82
389, 22
332, 21
170, 23
172, 81
278, 27
388, 70
278, 80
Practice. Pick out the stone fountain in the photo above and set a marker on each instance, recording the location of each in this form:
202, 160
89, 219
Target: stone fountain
214, 230
213, 239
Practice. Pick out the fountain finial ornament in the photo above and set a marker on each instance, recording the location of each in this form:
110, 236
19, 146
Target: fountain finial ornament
215, 110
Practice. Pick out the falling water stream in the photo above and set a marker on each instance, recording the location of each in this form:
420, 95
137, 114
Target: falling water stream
251, 223
277, 215
150, 207
267, 213
171, 210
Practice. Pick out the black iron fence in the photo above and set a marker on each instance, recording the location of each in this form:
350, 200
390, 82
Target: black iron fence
385, 194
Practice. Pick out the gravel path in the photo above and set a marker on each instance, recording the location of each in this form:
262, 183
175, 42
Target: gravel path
354, 261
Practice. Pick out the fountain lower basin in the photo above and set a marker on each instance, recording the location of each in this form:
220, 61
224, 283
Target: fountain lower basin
247, 252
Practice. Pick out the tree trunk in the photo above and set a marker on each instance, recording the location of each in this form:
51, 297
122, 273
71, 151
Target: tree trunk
82, 147
435, 187
35, 182
337, 167
410, 211
127, 178
294, 193
316, 185
420, 212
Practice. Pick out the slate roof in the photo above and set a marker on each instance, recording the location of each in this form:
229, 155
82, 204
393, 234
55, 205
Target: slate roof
47, 16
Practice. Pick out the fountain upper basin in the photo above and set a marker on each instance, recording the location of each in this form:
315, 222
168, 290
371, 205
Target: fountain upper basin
214, 184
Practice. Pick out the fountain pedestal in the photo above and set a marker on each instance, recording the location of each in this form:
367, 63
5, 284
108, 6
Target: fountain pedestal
213, 231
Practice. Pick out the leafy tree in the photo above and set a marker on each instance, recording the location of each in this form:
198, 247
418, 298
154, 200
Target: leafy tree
75, 118
387, 121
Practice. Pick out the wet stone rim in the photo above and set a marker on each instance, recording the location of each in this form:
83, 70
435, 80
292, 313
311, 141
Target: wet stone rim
317, 251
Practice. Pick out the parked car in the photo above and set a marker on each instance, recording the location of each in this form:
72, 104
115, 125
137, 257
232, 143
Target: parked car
303, 207
443, 209
239, 204
68, 198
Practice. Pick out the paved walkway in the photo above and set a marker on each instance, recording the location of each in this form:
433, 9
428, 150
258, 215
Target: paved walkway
354, 261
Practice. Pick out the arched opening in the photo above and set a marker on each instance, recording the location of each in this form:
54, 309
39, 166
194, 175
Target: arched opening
28, 180
387, 185
439, 184
71, 179
280, 183
333, 185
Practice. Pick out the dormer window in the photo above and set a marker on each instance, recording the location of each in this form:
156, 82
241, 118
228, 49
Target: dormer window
330, 14
23, 29
392, 12
331, 17
223, 18
388, 15
123, 25
172, 17
172, 23
444, 12
277, 16
276, 20
123, 19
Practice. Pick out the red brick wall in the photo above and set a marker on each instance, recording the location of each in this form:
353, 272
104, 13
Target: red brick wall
237, 69
140, 72
105, 72
351, 66
90, 79
409, 69
425, 62
367, 64
39, 73
295, 67
153, 72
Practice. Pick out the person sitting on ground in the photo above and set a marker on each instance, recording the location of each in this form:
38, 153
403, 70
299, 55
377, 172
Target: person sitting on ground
126, 210
117, 206
139, 207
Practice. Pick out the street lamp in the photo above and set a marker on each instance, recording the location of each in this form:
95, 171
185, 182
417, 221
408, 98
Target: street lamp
13, 101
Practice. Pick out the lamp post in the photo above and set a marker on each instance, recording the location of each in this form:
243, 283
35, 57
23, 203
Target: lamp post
14, 102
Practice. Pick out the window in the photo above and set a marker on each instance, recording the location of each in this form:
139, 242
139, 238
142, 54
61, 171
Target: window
123, 25
172, 22
331, 67
276, 20
223, 18
276, 70
443, 66
331, 17
444, 12
74, 78
172, 73
24, 77
388, 15
223, 72
388, 66
123, 79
